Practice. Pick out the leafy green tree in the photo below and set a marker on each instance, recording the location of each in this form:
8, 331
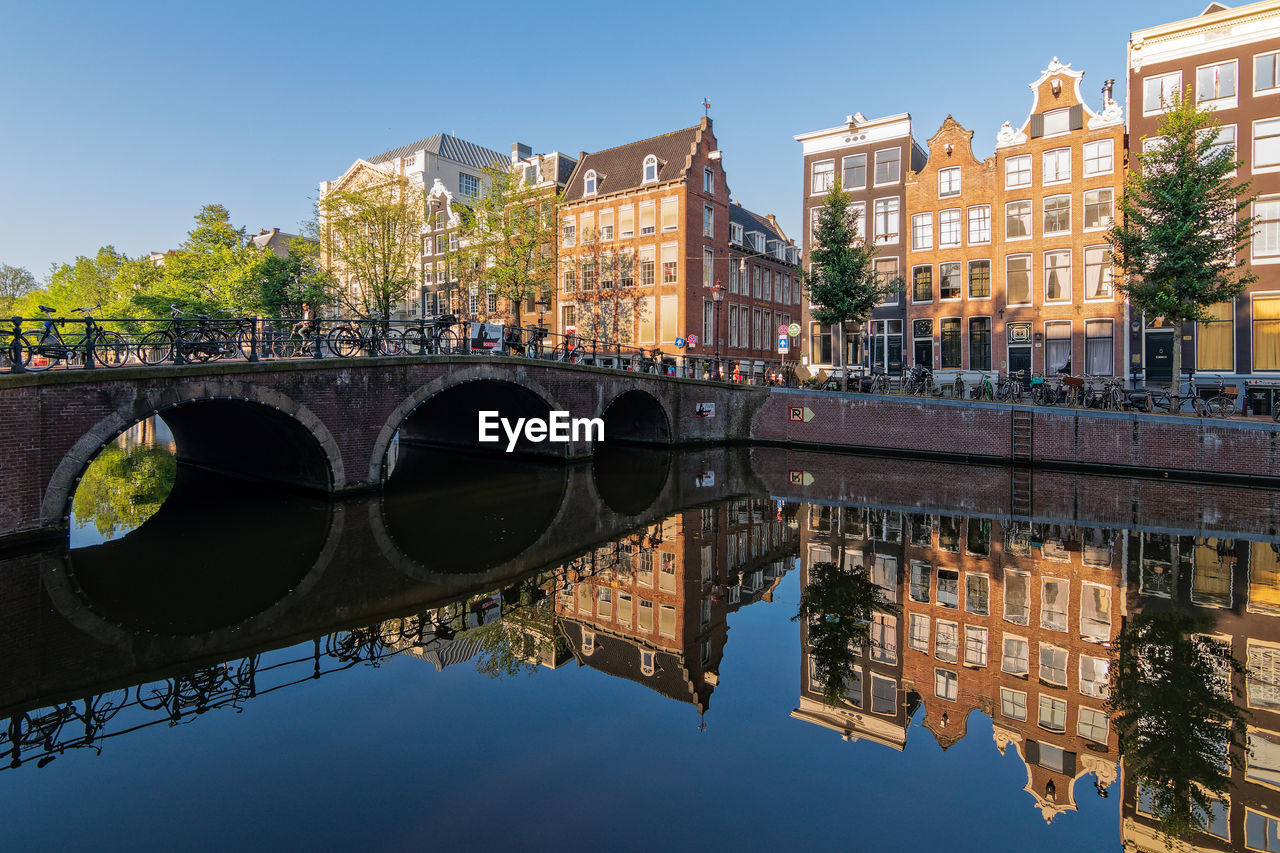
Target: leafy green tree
15, 282
838, 605
842, 283
216, 269
508, 239
1182, 240
285, 283
109, 278
1179, 726
371, 243
123, 487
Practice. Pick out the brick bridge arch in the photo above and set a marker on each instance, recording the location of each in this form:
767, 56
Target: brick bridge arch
261, 405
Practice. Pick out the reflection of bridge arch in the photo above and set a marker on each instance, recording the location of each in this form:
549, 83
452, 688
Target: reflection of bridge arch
444, 411
636, 417
233, 426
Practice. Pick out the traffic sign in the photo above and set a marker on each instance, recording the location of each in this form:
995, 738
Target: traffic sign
794, 330
800, 478
680, 343
782, 330
803, 414
784, 344
693, 340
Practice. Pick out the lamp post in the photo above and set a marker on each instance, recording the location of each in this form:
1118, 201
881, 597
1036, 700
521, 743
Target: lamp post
717, 296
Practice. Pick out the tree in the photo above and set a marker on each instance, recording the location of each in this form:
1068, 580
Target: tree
15, 282
216, 269
371, 243
838, 605
1181, 241
841, 282
1172, 705
115, 281
285, 283
123, 487
606, 299
507, 244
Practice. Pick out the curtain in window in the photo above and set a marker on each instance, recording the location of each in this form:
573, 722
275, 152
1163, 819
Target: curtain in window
1053, 608
1264, 579
1263, 758
1095, 613
1266, 333
1057, 347
1211, 584
1098, 347
1214, 340
1016, 598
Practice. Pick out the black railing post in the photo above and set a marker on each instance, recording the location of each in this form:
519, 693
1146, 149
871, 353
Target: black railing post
90, 343
422, 336
315, 330
15, 347
252, 355
177, 341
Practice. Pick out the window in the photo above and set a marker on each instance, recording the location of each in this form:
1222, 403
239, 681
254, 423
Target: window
918, 638
1057, 214
949, 333
1266, 144
570, 281
1057, 276
1017, 171
977, 594
1056, 166
1266, 333
980, 343
647, 218
1018, 279
949, 182
1266, 72
1015, 659
589, 183
1266, 234
1097, 208
491, 303
670, 215
1095, 612
666, 620
708, 220
980, 224
1017, 220
606, 224
650, 169
568, 231
884, 695
855, 172
1057, 349
949, 280
1099, 157
975, 646
735, 230
888, 166
1215, 340
922, 284
1216, 82
468, 185
1053, 603
1099, 347
1224, 140
1097, 273
979, 279
1013, 704
626, 222
1262, 761
922, 231
947, 642
1053, 714
944, 684
646, 266
1057, 121
949, 228
670, 266
921, 575
886, 220
1160, 91
884, 638
708, 181
1261, 831
859, 211
708, 267
1093, 676
1091, 724
824, 176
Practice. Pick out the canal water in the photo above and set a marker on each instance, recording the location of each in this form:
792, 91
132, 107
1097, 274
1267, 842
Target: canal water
736, 648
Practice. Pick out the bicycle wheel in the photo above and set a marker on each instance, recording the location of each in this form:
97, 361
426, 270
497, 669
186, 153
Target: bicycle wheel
110, 350
155, 695
448, 342
344, 341
1004, 392
1199, 406
957, 388
1222, 406
155, 348
34, 356
391, 342
415, 342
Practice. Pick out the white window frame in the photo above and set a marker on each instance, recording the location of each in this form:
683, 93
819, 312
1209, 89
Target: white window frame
830, 181
1057, 155
977, 632
1069, 289
1008, 173
1084, 209
650, 162
1065, 112
917, 244
918, 619
954, 628
1008, 693
944, 243
1224, 101
950, 179
946, 684
1254, 65
844, 168
1108, 272
876, 166
1096, 692
1176, 87
969, 224
1254, 242
590, 183
1044, 214
886, 238
1254, 161
1026, 657
1054, 704
1031, 219
708, 180
1097, 156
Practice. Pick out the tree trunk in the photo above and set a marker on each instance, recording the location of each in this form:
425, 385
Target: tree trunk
1177, 365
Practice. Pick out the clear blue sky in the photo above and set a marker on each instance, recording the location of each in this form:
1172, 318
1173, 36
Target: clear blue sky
121, 120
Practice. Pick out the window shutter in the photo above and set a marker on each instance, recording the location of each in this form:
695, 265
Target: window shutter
1077, 117
1069, 764
1036, 130
1032, 750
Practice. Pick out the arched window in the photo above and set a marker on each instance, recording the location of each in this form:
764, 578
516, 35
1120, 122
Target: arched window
650, 168
589, 184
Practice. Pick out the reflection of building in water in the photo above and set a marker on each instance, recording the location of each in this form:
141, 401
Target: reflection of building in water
651, 607
1236, 583
151, 432
875, 706
1010, 619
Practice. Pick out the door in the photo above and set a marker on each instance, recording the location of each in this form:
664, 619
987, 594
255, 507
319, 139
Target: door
924, 352
1159, 358
1020, 359
894, 348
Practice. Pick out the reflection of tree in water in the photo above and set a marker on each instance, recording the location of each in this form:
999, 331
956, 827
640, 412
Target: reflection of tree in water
1173, 708
123, 487
838, 605
524, 635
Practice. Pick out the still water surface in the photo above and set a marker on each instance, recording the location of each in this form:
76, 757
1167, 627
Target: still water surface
497, 653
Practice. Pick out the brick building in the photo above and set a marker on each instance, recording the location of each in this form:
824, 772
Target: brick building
871, 158
1009, 267
645, 237
1229, 59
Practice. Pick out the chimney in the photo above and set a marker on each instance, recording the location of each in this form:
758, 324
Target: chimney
520, 151
1106, 91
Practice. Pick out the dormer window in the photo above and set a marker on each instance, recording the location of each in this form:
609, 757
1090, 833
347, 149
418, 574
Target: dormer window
650, 169
735, 233
589, 184
646, 662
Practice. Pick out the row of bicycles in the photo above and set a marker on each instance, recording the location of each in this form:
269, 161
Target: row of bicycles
1094, 392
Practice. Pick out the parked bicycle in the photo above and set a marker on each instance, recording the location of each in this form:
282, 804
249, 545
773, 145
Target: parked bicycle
1225, 402
1172, 400
347, 338
1009, 388
200, 336
435, 337
51, 345
918, 381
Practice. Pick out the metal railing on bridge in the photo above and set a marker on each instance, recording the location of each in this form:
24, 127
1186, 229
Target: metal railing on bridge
87, 342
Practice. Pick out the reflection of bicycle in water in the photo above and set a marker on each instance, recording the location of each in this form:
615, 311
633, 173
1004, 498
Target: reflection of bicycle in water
359, 645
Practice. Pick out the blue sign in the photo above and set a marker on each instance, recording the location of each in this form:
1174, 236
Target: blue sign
680, 343
784, 343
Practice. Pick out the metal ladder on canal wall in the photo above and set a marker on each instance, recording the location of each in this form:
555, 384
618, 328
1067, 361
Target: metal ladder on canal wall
1020, 446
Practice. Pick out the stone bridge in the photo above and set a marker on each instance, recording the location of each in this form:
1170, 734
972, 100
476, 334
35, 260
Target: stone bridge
327, 425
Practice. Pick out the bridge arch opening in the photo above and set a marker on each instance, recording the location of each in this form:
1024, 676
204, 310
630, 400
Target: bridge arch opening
630, 478
450, 418
636, 417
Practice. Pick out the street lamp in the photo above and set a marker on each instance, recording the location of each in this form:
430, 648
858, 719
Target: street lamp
717, 296
542, 305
